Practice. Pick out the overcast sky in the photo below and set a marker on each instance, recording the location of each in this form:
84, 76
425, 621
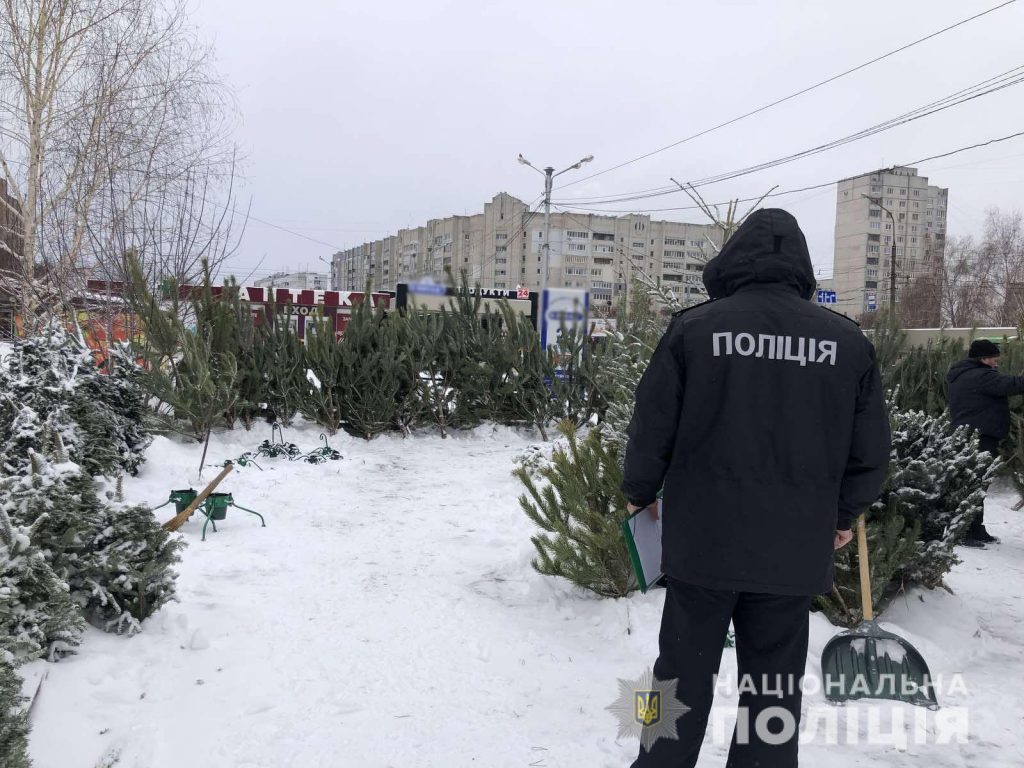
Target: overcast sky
359, 118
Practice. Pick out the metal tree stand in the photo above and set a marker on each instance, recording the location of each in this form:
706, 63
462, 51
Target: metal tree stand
216, 508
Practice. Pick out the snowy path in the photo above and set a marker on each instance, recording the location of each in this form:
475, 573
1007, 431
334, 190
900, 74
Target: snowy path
388, 617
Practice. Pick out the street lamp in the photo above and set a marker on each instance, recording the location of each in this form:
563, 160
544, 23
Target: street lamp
892, 258
549, 175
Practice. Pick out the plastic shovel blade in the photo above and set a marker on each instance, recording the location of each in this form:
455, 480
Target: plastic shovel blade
869, 663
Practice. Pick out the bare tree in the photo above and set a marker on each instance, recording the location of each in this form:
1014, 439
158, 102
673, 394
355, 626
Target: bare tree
972, 284
726, 224
107, 108
964, 280
1003, 252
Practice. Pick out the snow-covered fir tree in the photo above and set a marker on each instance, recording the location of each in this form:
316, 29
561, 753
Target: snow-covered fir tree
13, 719
116, 560
37, 616
936, 486
52, 380
131, 573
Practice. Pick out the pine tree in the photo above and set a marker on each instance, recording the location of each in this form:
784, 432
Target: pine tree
280, 357
324, 380
37, 617
436, 353
376, 375
579, 510
13, 719
193, 375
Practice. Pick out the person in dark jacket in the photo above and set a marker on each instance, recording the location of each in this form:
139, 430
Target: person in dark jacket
762, 416
979, 398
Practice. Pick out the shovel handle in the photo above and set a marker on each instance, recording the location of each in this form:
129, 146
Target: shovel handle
865, 570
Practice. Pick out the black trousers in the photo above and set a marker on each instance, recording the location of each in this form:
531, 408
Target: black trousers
991, 445
771, 642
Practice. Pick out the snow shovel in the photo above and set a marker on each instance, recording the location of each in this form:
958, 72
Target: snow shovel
867, 662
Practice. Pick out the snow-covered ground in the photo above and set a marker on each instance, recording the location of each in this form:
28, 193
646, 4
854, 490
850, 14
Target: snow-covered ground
387, 616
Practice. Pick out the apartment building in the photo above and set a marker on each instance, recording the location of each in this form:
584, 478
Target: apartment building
866, 233
303, 281
503, 247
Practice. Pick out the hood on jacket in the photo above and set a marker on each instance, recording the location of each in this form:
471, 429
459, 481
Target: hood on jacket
768, 248
959, 369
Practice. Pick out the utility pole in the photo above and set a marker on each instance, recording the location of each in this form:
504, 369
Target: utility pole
549, 177
892, 257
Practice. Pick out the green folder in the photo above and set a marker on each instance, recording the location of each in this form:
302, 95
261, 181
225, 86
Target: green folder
643, 540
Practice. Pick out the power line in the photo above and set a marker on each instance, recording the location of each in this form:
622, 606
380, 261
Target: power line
791, 96
990, 85
792, 191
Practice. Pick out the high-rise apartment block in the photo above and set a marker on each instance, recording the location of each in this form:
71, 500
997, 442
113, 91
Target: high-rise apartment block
295, 280
866, 234
503, 248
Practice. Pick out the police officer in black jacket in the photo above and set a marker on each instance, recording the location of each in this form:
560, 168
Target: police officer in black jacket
979, 398
762, 416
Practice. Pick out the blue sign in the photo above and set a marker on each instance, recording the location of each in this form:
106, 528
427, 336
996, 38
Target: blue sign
435, 289
827, 297
872, 302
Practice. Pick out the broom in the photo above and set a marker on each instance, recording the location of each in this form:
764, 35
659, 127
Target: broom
179, 519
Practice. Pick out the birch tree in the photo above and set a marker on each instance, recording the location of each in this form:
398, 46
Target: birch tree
105, 106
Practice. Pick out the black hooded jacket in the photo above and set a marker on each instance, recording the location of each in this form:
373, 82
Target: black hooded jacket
978, 397
762, 415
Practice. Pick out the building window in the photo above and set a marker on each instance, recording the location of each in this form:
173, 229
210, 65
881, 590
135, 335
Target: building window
903, 203
577, 246
903, 192
579, 235
604, 236
874, 213
876, 225
501, 236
